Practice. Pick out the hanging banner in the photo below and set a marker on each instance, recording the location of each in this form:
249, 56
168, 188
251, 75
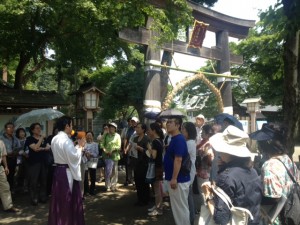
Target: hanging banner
198, 34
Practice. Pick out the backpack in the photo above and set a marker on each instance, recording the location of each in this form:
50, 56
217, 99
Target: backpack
290, 215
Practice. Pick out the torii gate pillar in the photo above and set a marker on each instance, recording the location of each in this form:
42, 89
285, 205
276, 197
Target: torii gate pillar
152, 100
223, 66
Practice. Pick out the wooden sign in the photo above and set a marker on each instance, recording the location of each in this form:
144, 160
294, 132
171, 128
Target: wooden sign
198, 34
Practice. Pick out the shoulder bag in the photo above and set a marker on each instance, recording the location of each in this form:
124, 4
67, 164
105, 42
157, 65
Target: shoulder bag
290, 215
239, 215
150, 176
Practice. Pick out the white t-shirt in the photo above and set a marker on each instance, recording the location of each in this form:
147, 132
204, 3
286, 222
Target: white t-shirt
132, 151
191, 145
199, 132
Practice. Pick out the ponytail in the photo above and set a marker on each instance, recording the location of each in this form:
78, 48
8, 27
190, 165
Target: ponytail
157, 129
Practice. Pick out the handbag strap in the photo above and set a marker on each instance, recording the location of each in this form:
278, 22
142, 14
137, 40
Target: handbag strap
159, 141
226, 199
222, 195
289, 173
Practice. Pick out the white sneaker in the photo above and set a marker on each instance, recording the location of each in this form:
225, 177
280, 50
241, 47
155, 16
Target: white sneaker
152, 208
155, 212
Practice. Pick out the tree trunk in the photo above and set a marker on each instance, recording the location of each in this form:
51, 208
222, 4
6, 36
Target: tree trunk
23, 61
140, 111
291, 100
4, 72
4, 67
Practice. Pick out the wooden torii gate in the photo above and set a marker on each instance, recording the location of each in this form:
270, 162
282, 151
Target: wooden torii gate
223, 26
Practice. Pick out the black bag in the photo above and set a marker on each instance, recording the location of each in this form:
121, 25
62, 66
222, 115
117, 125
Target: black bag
186, 165
101, 162
290, 213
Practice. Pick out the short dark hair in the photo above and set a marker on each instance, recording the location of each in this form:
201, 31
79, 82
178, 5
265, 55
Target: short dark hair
159, 122
32, 126
54, 129
8, 123
143, 126
177, 120
208, 130
19, 130
62, 122
244, 162
90, 132
191, 130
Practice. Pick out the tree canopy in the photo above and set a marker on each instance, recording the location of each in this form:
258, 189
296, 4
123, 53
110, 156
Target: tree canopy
81, 32
262, 70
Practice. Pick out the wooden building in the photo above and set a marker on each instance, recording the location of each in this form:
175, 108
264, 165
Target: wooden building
14, 103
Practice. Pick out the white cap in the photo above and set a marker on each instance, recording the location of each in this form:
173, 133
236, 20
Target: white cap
135, 119
200, 116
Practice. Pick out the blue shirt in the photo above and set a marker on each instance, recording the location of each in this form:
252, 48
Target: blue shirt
12, 144
177, 147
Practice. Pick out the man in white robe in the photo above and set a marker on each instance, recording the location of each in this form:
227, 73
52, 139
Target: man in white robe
66, 206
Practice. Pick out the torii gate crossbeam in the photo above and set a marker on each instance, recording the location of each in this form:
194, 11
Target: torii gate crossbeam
223, 25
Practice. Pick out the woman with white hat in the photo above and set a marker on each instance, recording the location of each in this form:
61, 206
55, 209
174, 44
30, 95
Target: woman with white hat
236, 177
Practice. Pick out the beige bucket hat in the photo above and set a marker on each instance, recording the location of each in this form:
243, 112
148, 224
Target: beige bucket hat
232, 141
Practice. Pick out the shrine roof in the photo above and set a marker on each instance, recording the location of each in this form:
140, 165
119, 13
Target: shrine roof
27, 98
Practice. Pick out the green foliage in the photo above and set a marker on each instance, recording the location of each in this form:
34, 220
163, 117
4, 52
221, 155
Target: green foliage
81, 32
208, 103
170, 20
103, 77
82, 35
208, 3
125, 90
262, 70
122, 83
291, 11
44, 80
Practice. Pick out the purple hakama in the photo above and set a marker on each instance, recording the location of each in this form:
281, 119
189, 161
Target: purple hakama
66, 207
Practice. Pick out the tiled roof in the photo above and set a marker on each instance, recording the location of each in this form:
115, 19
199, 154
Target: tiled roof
25, 98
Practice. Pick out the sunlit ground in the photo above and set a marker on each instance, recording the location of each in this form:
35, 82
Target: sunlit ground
103, 208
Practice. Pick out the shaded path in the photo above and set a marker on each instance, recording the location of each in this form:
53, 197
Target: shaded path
103, 208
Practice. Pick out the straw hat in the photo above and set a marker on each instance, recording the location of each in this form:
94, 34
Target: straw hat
232, 141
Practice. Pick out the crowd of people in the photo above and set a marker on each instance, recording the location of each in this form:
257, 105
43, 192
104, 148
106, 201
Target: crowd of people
189, 160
